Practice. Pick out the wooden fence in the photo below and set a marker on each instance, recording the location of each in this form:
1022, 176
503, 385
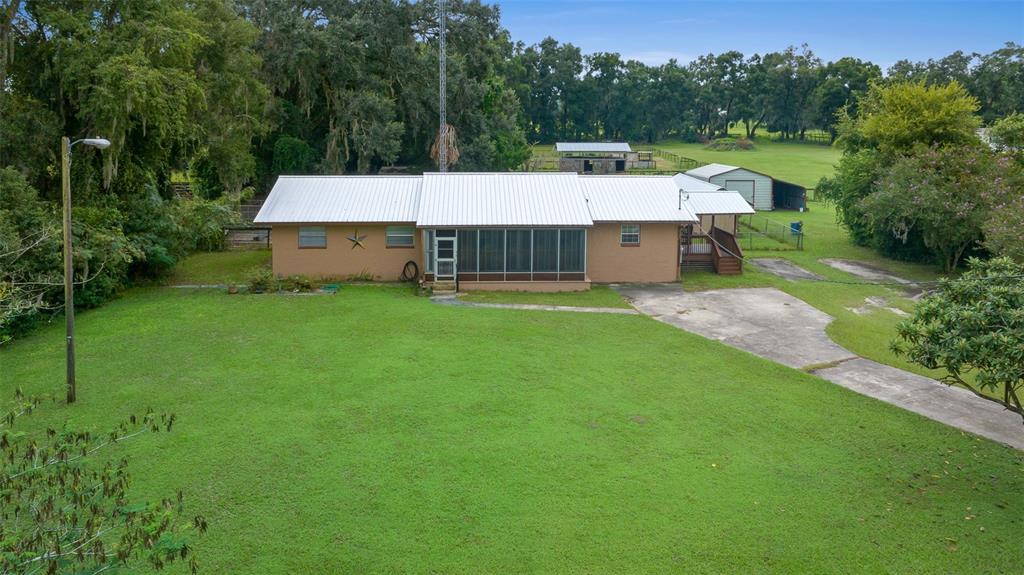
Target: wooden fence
243, 237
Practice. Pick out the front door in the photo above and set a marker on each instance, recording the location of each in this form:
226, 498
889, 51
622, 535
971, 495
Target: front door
445, 248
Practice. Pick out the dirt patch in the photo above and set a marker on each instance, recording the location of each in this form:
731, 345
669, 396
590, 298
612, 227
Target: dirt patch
785, 269
873, 303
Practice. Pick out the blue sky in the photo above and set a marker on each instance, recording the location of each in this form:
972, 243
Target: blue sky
656, 30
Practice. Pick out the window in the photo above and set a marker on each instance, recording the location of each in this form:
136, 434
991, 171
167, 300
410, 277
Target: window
571, 246
312, 237
492, 251
399, 236
517, 255
545, 250
629, 234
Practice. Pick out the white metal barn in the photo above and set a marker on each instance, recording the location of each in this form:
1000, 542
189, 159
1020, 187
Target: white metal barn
755, 187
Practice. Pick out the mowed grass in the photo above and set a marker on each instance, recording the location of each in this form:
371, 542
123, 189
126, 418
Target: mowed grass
376, 432
219, 267
596, 296
800, 163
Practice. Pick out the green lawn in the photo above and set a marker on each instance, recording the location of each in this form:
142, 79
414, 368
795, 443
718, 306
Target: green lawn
219, 267
374, 431
597, 296
795, 162
800, 163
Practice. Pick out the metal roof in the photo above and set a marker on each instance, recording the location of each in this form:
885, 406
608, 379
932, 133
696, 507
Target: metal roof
592, 147
692, 184
724, 202
511, 199
711, 170
357, 199
502, 199
635, 199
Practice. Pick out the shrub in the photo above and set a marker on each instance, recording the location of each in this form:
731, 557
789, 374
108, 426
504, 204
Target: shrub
730, 144
201, 223
261, 279
298, 284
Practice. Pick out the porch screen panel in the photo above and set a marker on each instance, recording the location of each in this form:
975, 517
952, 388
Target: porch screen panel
571, 248
517, 245
492, 251
545, 250
428, 250
467, 251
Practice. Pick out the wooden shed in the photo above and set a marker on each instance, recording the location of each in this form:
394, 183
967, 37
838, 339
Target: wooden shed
755, 187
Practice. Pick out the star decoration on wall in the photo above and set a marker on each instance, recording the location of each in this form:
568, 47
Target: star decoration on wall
357, 240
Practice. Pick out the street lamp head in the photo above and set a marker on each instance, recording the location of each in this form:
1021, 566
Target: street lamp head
100, 143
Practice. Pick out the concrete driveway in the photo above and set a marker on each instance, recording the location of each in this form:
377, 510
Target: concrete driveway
777, 326
764, 321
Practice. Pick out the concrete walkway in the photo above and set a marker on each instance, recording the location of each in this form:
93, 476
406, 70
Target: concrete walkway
777, 326
785, 269
455, 301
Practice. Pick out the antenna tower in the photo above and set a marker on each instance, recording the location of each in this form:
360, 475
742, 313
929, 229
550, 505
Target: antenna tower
442, 151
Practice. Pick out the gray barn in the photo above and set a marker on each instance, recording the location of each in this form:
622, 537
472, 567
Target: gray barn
755, 187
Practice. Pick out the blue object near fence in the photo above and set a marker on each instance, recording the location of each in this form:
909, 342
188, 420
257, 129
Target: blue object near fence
796, 227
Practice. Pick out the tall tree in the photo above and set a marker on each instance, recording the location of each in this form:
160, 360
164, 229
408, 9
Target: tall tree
840, 86
792, 76
719, 80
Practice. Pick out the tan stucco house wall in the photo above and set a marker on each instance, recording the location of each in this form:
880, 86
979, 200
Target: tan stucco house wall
656, 259
340, 260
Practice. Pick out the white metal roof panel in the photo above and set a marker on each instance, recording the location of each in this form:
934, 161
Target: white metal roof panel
502, 199
328, 199
723, 202
592, 147
692, 184
635, 199
711, 170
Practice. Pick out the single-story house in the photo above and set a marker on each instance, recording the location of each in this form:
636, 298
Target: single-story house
530, 231
761, 191
600, 157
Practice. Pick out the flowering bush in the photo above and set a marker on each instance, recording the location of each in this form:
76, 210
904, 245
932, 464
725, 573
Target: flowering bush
949, 195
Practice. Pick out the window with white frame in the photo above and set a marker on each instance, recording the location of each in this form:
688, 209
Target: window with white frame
400, 236
312, 237
629, 234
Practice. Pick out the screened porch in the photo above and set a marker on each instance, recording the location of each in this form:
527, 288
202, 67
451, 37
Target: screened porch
505, 254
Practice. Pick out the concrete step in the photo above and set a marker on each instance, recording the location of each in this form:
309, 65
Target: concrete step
443, 288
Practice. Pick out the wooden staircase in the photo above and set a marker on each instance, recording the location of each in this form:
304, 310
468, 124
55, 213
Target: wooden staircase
717, 252
727, 254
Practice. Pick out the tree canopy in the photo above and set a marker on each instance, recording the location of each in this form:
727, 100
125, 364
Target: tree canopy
916, 182
229, 94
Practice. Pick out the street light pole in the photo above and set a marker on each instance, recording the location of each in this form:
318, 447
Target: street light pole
69, 280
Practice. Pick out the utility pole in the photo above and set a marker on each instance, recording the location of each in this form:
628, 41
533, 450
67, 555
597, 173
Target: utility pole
69, 281
69, 278
442, 151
